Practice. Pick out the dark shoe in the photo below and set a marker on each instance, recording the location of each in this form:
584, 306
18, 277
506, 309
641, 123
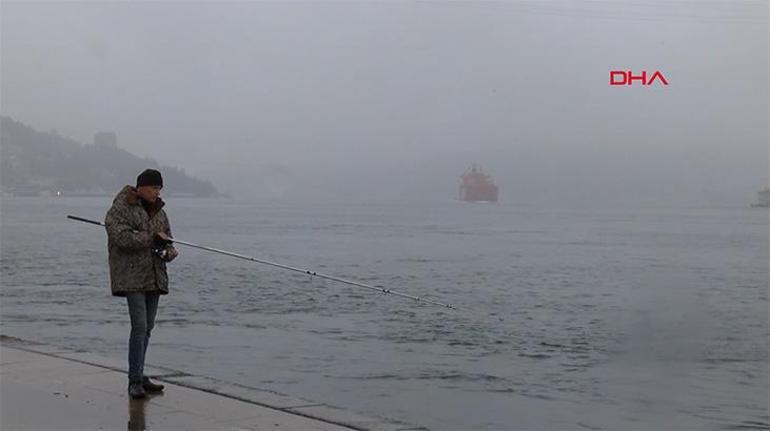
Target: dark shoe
150, 386
135, 390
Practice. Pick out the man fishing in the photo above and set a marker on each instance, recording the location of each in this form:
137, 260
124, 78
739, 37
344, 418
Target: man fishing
139, 244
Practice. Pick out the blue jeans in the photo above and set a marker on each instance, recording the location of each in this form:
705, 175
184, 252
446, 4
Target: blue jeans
142, 308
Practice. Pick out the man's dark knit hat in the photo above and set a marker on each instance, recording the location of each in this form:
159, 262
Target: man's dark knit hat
150, 177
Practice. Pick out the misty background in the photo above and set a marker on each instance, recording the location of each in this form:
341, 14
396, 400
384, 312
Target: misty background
394, 100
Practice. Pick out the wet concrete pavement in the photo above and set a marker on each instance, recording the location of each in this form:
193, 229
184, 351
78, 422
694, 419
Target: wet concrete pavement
46, 388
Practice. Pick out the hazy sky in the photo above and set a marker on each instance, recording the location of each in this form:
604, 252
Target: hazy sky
267, 98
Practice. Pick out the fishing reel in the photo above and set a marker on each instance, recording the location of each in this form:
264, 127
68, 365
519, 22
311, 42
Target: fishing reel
159, 248
162, 253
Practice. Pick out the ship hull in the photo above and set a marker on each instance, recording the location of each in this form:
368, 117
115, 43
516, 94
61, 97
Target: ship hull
478, 194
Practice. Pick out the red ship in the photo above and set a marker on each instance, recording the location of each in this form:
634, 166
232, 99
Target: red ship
477, 186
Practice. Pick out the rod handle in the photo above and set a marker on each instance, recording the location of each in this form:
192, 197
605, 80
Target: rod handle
72, 217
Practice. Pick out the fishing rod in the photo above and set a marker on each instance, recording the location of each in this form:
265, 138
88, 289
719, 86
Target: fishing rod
290, 268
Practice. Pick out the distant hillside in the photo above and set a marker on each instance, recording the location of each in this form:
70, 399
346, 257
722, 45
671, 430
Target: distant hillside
33, 162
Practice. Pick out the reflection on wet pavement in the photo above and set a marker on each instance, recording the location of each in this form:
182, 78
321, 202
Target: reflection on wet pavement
135, 415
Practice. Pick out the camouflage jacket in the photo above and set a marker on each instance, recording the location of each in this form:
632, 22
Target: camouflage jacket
130, 232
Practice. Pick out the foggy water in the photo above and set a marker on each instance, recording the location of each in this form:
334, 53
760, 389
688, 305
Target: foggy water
642, 318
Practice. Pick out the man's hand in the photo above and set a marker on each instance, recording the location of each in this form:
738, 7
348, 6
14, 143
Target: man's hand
171, 254
162, 238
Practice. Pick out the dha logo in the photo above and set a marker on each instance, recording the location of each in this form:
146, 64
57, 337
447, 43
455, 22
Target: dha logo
623, 77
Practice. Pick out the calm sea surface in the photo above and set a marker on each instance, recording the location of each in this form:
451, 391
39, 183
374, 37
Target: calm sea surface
636, 318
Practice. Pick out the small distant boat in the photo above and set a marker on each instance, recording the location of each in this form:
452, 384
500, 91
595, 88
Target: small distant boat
763, 199
476, 186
